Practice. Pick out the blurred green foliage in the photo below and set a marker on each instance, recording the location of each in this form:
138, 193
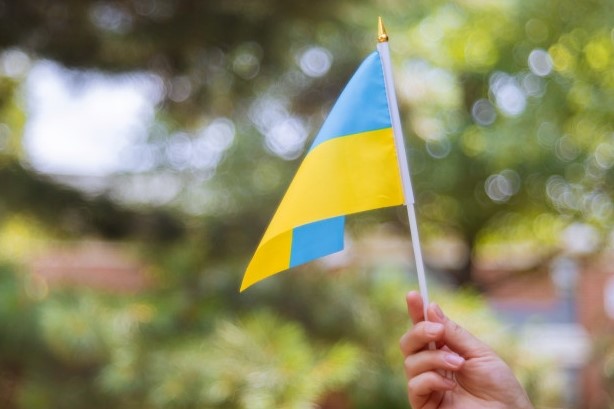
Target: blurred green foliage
507, 112
334, 336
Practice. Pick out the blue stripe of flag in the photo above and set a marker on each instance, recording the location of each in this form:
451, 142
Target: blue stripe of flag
365, 104
316, 239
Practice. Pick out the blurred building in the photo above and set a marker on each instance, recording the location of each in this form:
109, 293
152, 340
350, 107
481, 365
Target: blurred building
561, 312
100, 265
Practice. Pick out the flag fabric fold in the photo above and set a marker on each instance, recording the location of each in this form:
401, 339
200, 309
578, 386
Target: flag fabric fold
351, 167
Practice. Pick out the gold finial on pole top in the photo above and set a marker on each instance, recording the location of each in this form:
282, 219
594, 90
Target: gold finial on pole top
382, 37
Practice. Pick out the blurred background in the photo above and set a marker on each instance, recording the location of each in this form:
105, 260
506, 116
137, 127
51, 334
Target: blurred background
145, 144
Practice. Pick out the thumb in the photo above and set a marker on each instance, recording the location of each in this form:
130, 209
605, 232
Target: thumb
456, 337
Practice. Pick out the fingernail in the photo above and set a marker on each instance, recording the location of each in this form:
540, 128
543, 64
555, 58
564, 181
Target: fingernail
453, 359
432, 328
438, 311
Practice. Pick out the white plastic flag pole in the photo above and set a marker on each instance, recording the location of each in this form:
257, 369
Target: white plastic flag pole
382, 48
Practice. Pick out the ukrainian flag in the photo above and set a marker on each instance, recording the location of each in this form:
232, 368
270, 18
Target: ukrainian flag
351, 167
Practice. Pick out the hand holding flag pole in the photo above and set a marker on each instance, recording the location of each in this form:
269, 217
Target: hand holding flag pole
357, 162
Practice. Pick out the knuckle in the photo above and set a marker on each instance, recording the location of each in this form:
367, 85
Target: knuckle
457, 328
403, 344
412, 386
408, 364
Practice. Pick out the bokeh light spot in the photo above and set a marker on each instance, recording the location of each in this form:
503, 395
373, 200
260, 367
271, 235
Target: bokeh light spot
483, 112
502, 186
179, 89
315, 61
110, 17
287, 138
438, 148
604, 155
598, 54
509, 96
540, 62
14, 63
562, 59
246, 63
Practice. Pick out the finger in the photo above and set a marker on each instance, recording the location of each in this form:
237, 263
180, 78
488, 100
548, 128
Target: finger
424, 385
417, 338
456, 337
415, 307
430, 360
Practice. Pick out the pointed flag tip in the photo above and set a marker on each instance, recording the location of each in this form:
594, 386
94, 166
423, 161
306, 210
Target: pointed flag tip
382, 37
244, 285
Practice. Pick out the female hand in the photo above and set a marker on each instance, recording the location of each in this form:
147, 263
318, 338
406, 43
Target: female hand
462, 373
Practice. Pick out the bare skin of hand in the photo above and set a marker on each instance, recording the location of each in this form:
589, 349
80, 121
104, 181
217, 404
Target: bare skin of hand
461, 373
